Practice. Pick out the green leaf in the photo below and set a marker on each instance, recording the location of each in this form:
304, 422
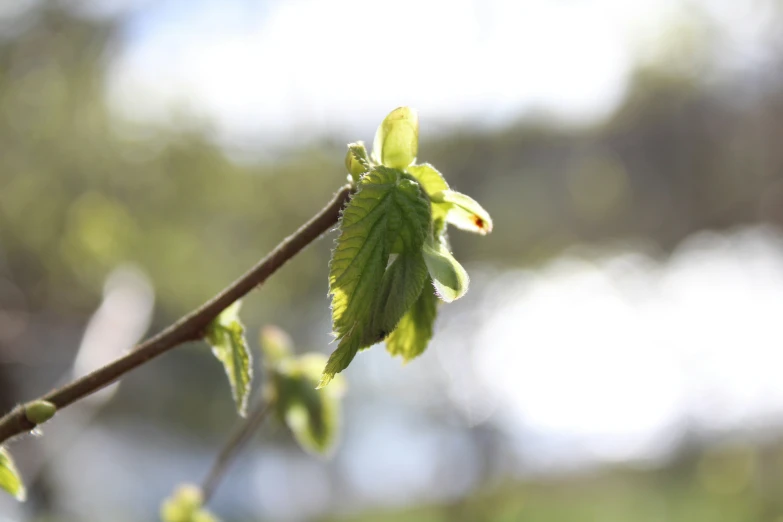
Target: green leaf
433, 183
450, 279
463, 211
414, 331
226, 335
311, 414
356, 160
402, 284
9, 476
388, 212
185, 505
396, 143
314, 423
432, 180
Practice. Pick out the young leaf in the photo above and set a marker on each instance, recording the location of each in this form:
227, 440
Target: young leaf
396, 143
388, 211
226, 335
432, 180
185, 505
356, 160
401, 286
9, 476
463, 211
450, 279
414, 330
313, 421
311, 414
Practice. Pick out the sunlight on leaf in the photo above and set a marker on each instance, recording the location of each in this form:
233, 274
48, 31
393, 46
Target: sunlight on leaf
356, 160
450, 279
432, 180
10, 480
311, 414
396, 143
463, 211
226, 335
393, 240
185, 505
401, 286
389, 209
414, 331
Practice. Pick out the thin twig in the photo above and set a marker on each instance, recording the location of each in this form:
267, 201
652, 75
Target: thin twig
232, 448
190, 328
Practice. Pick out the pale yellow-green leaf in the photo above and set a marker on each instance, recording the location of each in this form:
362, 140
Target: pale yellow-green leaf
429, 177
311, 414
462, 211
396, 143
185, 505
414, 331
226, 335
433, 182
356, 160
10, 480
450, 279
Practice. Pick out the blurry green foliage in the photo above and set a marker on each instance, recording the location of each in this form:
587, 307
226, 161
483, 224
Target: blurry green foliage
724, 483
10, 481
82, 192
185, 505
312, 415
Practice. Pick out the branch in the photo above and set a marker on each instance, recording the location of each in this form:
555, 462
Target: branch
233, 446
189, 328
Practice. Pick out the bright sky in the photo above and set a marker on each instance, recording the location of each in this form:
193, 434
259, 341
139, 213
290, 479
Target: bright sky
276, 69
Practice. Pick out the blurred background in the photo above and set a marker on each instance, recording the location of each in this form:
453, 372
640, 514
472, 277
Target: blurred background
618, 356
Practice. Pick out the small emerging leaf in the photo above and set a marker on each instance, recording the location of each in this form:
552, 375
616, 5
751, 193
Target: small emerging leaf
356, 160
226, 335
313, 423
463, 211
39, 411
311, 414
414, 331
185, 505
450, 279
388, 212
396, 143
10, 480
433, 183
432, 180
